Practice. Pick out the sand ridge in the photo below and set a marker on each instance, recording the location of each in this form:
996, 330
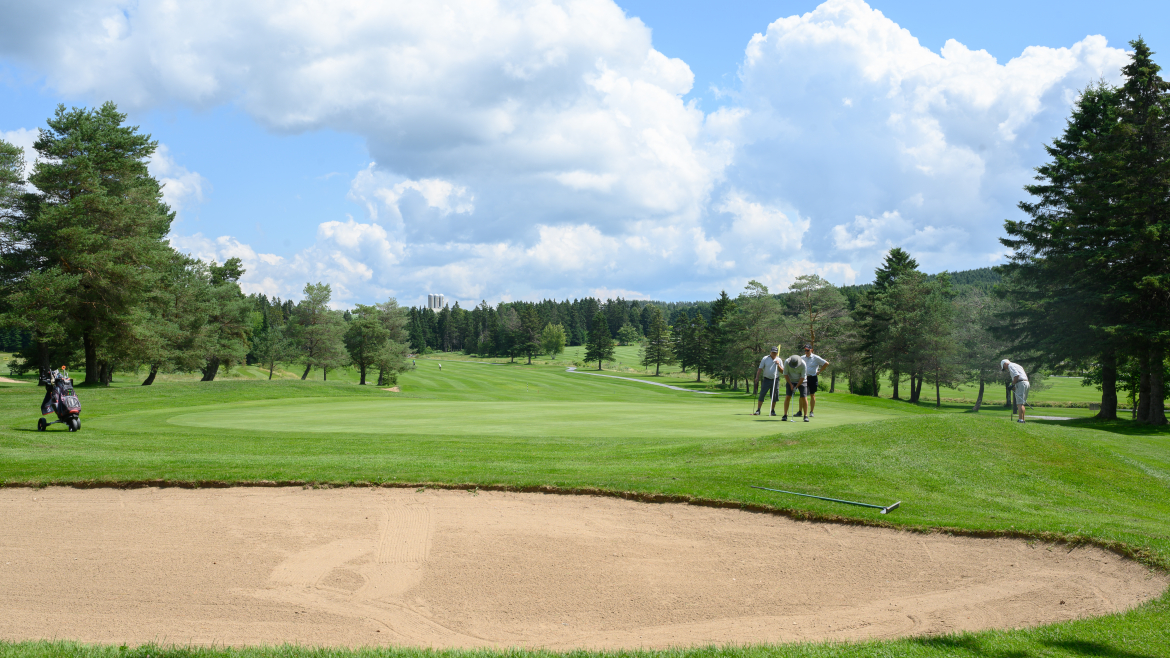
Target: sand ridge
437, 568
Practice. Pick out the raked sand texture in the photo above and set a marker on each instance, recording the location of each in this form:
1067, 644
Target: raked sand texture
460, 569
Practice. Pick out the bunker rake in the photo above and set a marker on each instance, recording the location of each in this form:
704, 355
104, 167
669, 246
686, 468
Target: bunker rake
885, 510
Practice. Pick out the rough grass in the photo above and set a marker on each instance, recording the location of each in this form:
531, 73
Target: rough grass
1105, 483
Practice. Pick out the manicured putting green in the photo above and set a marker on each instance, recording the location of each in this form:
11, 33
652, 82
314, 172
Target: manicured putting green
529, 418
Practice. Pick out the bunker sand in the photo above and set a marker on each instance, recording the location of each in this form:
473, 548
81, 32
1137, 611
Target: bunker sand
435, 568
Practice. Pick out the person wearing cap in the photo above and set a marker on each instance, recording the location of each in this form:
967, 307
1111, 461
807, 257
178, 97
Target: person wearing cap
769, 368
795, 378
1020, 382
813, 364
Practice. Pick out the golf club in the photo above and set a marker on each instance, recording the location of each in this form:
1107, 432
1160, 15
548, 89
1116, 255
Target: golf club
885, 510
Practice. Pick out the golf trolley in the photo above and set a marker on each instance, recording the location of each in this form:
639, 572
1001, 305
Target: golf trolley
61, 399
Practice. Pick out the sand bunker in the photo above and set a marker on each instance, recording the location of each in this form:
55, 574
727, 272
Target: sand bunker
459, 569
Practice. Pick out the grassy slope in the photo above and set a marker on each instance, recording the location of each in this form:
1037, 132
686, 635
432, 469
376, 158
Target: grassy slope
978, 472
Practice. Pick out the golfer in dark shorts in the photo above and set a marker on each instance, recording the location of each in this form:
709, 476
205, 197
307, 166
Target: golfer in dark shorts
795, 380
813, 365
770, 369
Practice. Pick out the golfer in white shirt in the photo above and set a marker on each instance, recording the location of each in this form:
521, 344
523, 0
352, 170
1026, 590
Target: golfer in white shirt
813, 365
770, 369
1020, 381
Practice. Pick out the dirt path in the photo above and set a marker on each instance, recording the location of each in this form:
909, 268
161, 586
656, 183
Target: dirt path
458, 569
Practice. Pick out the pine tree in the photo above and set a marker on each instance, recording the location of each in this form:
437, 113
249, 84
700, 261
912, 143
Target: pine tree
227, 321
318, 330
600, 343
92, 243
365, 336
656, 351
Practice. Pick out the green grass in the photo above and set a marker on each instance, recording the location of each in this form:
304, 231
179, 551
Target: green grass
520, 426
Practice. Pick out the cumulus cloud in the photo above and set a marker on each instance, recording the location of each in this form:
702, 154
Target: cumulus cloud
853, 117
181, 188
543, 147
24, 138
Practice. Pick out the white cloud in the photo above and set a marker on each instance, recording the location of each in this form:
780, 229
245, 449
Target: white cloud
923, 143
543, 148
181, 187
24, 138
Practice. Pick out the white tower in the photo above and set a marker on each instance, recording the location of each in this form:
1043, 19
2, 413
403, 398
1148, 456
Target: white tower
436, 302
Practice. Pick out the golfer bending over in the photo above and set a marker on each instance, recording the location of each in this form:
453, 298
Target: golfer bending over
794, 379
1020, 381
769, 368
813, 365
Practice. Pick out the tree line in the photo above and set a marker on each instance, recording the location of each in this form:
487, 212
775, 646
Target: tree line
88, 276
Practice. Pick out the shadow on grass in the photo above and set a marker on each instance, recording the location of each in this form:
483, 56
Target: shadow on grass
1086, 648
974, 646
1125, 427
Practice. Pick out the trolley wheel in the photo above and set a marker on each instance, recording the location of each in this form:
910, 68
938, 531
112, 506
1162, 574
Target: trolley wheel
76, 424
41, 425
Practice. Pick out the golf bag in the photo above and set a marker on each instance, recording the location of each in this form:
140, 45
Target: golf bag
61, 399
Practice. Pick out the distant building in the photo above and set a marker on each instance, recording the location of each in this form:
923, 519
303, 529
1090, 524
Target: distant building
436, 302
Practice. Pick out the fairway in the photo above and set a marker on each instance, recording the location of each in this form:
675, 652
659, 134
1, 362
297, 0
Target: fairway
534, 418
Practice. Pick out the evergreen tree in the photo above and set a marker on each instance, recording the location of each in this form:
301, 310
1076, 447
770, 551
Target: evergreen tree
365, 336
528, 334
753, 328
175, 335
656, 350
91, 243
319, 330
227, 322
1059, 283
718, 337
600, 345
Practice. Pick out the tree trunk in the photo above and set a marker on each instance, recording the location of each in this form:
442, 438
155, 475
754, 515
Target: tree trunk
896, 380
874, 390
1143, 403
43, 358
362, 370
211, 369
913, 388
324, 373
271, 367
833, 382
92, 376
307, 369
1108, 387
1007, 395
657, 367
150, 378
105, 372
698, 374
529, 359
937, 391
979, 398
918, 389
1157, 408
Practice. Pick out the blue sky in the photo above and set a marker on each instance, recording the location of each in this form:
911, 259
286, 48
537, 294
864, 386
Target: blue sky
532, 148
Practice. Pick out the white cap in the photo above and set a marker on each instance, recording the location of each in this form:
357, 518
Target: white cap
1003, 364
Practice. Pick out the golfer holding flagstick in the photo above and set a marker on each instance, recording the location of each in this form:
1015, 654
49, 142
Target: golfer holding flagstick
770, 369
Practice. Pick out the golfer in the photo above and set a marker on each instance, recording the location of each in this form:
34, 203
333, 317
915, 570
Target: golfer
813, 365
1020, 382
770, 369
795, 379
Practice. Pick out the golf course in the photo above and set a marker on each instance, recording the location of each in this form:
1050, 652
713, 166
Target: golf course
504, 427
